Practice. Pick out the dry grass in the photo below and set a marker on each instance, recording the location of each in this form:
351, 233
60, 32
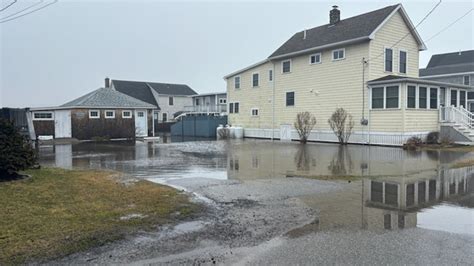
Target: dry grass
461, 164
58, 212
453, 148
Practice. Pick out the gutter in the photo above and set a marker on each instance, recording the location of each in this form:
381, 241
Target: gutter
418, 80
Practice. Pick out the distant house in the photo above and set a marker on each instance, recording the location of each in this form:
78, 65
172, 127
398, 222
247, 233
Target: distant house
208, 103
366, 64
169, 98
456, 67
104, 113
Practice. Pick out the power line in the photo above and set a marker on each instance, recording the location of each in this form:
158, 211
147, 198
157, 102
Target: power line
447, 27
14, 1
18, 12
32, 11
410, 32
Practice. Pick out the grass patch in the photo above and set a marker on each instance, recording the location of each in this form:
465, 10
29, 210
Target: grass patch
453, 148
461, 164
59, 212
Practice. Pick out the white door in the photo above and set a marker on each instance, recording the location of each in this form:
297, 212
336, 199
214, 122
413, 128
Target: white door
285, 132
141, 127
62, 124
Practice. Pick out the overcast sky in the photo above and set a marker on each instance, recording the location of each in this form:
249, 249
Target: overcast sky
67, 49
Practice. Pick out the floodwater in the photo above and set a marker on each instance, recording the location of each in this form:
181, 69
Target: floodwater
395, 189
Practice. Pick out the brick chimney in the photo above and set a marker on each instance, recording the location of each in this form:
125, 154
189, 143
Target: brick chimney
334, 15
107, 82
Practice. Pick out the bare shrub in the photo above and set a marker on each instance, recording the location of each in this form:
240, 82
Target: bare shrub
304, 123
413, 143
223, 133
446, 141
432, 138
341, 124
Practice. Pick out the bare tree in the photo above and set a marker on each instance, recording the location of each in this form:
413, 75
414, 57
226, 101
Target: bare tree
341, 124
304, 123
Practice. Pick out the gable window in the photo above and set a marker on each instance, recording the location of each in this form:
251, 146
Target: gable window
391, 100
433, 98
454, 97
254, 112
127, 114
466, 80
388, 59
403, 62
462, 98
377, 98
411, 97
286, 66
94, 114
222, 101
315, 59
231, 108
43, 116
290, 98
338, 54
171, 100
237, 82
109, 114
270, 75
422, 97
255, 80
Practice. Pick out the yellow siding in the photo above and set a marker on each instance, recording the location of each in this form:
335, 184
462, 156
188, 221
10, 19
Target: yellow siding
421, 120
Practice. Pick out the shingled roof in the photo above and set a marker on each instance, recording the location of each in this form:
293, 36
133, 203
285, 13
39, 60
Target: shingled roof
449, 63
108, 98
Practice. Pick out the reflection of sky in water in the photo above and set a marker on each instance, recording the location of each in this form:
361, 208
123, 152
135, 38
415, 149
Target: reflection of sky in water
448, 218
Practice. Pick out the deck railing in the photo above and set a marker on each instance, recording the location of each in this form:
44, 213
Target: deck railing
457, 115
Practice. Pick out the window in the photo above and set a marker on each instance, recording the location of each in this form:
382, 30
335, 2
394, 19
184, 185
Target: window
388, 59
270, 75
43, 116
462, 98
402, 66
222, 100
126, 114
377, 98
467, 80
94, 114
454, 97
411, 97
338, 54
197, 101
254, 111
236, 108
315, 59
470, 95
141, 114
109, 114
422, 97
231, 108
286, 66
290, 98
433, 98
255, 80
164, 117
391, 100
170, 100
237, 82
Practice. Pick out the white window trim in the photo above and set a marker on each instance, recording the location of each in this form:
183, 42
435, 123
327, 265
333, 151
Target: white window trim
127, 117
399, 61
385, 59
109, 117
338, 59
222, 101
429, 97
416, 96
167, 117
43, 119
270, 80
251, 112
468, 78
385, 97
258, 80
240, 82
291, 66
294, 99
320, 58
239, 107
94, 117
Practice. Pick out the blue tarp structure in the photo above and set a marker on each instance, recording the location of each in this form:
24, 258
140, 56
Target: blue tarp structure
198, 126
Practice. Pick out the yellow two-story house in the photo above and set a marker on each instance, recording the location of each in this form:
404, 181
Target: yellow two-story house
366, 64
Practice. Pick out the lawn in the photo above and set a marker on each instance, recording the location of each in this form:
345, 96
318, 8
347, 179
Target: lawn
57, 212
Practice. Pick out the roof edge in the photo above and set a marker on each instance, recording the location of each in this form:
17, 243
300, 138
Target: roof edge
246, 68
33, 109
419, 80
447, 74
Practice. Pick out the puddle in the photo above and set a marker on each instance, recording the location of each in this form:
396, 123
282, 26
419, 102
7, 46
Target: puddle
394, 189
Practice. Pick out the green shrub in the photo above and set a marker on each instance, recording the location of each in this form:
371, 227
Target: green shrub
432, 138
16, 153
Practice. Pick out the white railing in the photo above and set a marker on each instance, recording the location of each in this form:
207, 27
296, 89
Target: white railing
206, 108
457, 115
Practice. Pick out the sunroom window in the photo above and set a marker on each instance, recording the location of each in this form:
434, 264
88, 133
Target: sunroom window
377, 98
422, 97
411, 97
462, 98
433, 98
392, 97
